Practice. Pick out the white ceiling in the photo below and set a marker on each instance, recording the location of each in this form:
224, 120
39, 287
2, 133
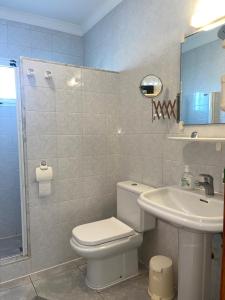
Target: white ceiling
73, 16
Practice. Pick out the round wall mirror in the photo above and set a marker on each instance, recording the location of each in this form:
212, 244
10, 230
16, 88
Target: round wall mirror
151, 86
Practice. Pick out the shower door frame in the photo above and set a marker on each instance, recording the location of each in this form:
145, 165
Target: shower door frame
21, 134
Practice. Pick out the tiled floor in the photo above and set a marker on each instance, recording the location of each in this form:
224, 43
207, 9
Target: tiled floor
67, 283
10, 246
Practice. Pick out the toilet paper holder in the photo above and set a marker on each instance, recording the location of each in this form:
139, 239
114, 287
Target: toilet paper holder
43, 165
44, 176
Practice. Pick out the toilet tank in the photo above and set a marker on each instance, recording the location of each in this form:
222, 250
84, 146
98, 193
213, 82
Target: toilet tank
128, 210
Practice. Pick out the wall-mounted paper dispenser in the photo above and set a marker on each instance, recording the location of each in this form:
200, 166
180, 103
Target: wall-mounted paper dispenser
44, 175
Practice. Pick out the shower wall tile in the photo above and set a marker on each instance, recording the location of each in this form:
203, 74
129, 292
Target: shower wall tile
39, 99
40, 123
69, 189
69, 123
39, 146
69, 145
95, 102
69, 101
19, 39
94, 165
94, 144
69, 167
66, 125
94, 124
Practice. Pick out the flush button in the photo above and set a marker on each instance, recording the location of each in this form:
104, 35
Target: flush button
134, 184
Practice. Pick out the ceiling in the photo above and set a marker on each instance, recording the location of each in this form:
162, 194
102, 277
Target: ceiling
73, 16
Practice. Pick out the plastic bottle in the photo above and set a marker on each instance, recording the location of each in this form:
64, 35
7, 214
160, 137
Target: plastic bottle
187, 179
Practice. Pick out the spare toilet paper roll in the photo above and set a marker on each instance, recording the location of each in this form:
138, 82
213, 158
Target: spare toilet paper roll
222, 103
44, 188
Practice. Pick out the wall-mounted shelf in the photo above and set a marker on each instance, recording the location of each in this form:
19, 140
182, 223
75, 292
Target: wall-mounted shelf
198, 139
217, 140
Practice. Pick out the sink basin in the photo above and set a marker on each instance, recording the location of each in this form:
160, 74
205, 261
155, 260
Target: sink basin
190, 209
197, 218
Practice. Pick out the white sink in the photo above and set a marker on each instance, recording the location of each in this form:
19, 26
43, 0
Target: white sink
190, 209
197, 218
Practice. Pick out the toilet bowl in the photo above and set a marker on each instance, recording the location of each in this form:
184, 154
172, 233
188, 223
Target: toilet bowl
110, 246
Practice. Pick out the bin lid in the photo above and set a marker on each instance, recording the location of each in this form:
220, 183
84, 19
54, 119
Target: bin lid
159, 263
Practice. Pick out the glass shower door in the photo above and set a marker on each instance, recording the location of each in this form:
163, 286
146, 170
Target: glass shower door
11, 240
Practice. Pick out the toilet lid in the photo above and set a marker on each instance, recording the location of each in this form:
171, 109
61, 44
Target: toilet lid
100, 232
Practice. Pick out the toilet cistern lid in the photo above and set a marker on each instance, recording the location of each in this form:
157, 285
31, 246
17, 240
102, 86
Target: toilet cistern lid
100, 232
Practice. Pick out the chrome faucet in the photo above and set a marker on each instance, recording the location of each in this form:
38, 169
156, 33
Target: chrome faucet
207, 184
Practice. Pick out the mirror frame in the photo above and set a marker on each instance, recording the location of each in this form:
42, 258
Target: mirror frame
151, 97
180, 83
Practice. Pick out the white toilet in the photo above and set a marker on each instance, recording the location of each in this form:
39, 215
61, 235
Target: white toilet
110, 246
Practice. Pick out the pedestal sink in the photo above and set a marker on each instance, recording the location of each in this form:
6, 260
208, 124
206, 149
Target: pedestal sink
197, 217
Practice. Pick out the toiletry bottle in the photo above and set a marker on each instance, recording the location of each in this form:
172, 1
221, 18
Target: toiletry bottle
187, 179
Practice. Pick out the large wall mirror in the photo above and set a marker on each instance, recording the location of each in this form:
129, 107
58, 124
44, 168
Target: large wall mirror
202, 66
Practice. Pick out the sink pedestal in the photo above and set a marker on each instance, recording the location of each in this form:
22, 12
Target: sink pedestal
194, 265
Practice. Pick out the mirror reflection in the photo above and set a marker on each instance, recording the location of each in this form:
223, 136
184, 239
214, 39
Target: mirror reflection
202, 67
151, 86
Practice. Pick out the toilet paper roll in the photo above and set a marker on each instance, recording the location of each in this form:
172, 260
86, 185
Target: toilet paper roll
44, 188
44, 175
222, 103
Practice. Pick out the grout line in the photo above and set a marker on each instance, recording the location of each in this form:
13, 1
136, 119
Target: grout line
42, 270
33, 285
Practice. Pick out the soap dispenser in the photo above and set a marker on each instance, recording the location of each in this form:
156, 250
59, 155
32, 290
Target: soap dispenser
187, 179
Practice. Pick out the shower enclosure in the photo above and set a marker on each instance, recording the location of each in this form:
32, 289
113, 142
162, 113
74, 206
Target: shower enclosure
12, 188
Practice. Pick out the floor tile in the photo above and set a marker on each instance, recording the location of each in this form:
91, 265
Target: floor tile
132, 289
55, 271
17, 290
15, 283
65, 285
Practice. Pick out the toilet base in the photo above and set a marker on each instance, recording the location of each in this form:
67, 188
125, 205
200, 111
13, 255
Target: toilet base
103, 273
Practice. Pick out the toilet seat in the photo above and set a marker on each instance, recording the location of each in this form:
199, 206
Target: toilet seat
101, 232
107, 249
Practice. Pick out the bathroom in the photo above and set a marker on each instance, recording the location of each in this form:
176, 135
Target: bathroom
73, 101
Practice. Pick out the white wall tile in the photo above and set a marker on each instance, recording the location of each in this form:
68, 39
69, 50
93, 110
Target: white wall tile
69, 145
21, 39
3, 33
69, 101
69, 123
39, 99
94, 124
19, 36
41, 146
69, 168
94, 144
41, 123
41, 54
41, 40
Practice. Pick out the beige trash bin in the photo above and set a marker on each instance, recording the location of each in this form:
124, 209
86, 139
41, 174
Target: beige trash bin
161, 278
